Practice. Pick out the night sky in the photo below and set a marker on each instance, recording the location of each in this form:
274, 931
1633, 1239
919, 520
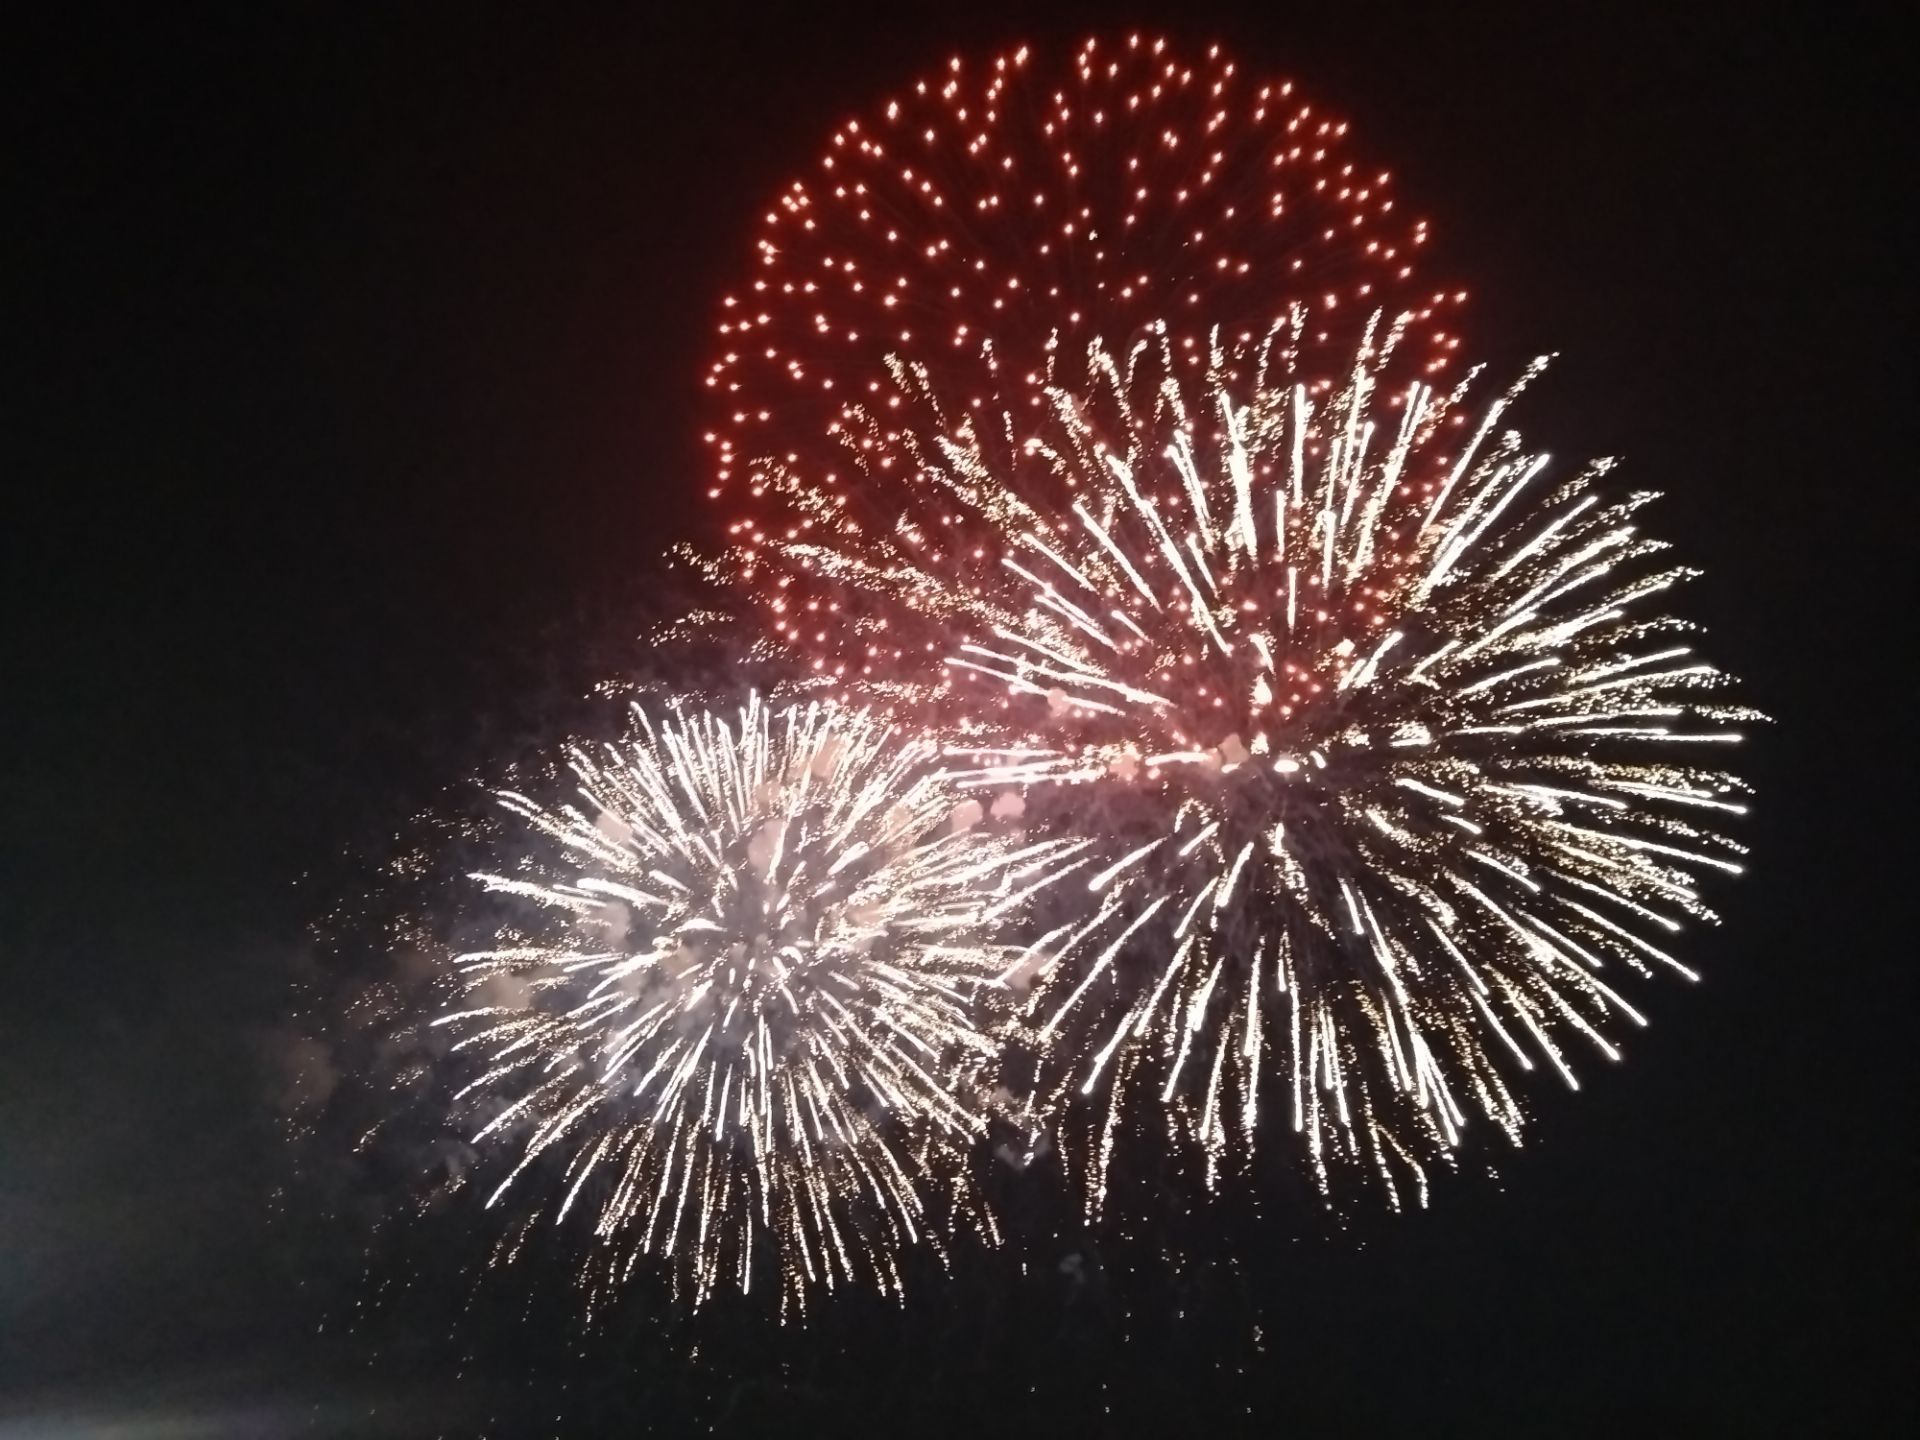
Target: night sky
351, 394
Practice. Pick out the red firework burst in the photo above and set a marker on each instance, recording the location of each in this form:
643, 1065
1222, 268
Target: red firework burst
993, 216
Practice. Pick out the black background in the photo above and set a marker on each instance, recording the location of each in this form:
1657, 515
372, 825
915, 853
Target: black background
352, 372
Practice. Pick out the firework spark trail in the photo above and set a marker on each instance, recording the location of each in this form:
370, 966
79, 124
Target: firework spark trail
993, 217
739, 1008
1388, 726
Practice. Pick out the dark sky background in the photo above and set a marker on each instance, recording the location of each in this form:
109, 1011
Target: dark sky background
351, 366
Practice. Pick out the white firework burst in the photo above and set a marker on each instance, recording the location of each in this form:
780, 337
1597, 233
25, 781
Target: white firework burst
739, 1010
1398, 755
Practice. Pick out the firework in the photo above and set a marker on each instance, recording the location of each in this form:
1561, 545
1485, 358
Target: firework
1400, 762
993, 217
735, 1013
